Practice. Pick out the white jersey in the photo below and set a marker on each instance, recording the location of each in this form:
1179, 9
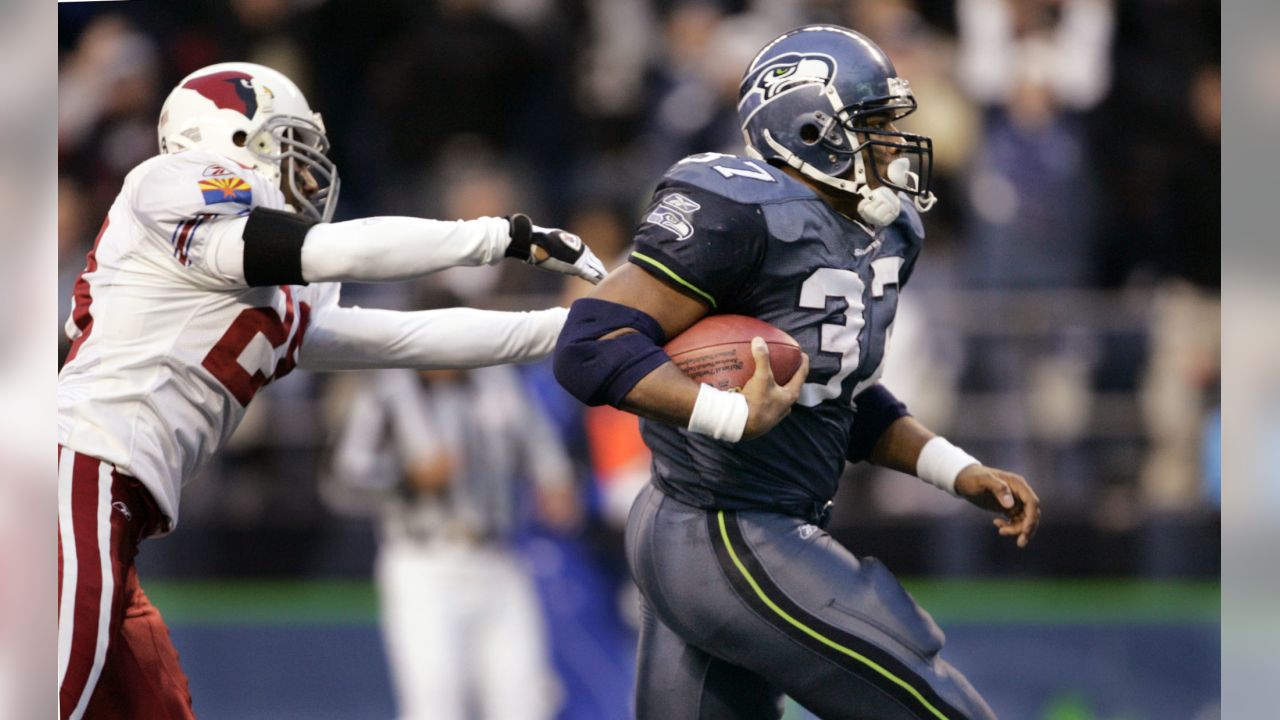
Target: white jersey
168, 349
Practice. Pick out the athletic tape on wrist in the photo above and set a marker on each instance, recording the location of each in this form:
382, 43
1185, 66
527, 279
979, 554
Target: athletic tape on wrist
940, 463
720, 414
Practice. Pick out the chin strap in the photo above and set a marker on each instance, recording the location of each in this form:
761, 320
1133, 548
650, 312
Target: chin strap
900, 174
808, 170
879, 207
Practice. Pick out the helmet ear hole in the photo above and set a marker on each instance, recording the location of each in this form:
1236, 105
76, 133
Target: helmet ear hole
809, 133
239, 137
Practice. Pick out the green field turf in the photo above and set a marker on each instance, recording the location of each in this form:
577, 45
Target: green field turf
949, 601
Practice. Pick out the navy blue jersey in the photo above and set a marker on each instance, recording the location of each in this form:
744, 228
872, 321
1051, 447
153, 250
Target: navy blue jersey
744, 237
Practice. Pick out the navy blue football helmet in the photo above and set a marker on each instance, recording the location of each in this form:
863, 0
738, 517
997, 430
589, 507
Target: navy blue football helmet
816, 97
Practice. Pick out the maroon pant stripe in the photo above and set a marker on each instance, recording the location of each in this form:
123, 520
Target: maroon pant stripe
84, 638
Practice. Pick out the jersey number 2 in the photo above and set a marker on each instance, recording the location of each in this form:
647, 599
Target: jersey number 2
223, 360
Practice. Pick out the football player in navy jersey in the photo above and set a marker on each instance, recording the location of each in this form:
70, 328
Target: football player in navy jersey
815, 230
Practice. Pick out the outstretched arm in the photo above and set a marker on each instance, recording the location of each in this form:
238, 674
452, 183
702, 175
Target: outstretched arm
273, 247
355, 338
886, 435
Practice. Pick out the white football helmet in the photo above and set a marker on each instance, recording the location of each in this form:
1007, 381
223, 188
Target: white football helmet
257, 117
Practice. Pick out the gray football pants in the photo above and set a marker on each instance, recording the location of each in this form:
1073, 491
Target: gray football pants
741, 607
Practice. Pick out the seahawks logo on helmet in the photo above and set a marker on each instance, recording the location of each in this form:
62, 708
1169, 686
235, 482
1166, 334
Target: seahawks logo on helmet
792, 70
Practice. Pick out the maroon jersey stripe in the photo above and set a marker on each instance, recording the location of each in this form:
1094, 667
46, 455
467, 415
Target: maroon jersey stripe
83, 298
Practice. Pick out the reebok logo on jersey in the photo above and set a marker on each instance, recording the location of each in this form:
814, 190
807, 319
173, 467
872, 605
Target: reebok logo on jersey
215, 171
674, 212
226, 190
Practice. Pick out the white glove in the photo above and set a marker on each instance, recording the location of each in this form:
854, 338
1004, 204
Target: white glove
553, 249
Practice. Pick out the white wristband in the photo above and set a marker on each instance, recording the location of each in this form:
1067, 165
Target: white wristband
940, 463
720, 414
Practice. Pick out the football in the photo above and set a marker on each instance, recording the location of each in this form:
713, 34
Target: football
717, 351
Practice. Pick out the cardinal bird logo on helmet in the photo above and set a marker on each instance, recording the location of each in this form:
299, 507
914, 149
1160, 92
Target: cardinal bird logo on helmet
229, 90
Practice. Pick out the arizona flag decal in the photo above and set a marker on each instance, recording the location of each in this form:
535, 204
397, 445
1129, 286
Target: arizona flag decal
226, 190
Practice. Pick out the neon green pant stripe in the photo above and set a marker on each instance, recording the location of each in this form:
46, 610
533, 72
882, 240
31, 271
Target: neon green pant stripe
724, 534
671, 274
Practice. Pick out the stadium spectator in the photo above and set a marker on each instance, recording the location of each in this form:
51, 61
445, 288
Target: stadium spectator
1036, 67
1183, 366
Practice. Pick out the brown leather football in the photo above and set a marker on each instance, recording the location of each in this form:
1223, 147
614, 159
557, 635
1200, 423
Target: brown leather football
717, 351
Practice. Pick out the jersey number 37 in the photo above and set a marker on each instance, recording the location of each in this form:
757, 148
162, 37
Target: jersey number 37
861, 341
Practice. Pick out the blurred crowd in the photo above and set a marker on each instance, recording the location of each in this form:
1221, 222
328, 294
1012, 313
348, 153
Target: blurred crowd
1064, 321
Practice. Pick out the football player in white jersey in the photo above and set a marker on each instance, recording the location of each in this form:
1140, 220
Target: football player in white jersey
215, 272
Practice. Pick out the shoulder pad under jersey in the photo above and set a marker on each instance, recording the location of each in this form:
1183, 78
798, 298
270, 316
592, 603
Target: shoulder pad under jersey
196, 181
736, 178
906, 233
909, 220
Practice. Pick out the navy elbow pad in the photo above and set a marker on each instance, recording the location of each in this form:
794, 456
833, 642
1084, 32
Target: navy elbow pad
877, 409
602, 372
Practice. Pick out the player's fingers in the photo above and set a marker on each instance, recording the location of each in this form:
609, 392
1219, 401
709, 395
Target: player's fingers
1030, 523
1029, 518
1005, 528
1000, 490
1023, 519
591, 269
760, 351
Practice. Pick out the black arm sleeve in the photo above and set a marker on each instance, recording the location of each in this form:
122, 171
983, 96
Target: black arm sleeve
877, 409
273, 247
701, 244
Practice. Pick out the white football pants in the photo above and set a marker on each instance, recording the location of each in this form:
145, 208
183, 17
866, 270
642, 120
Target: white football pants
464, 634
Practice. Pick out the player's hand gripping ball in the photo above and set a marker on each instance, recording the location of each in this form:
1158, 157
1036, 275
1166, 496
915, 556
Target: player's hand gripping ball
717, 351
